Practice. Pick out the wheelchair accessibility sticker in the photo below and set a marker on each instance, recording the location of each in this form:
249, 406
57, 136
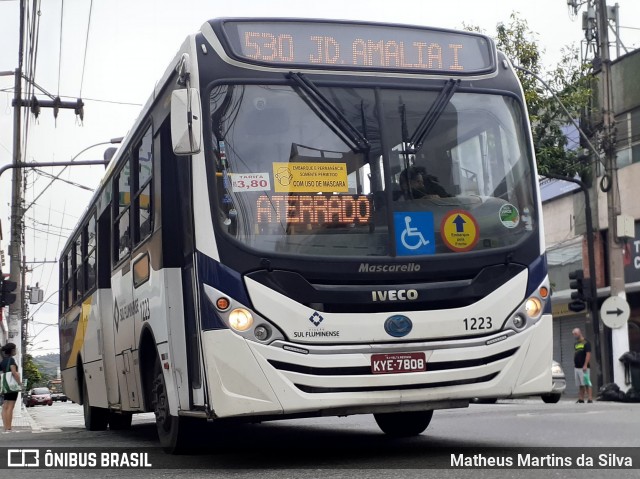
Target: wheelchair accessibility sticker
459, 231
414, 233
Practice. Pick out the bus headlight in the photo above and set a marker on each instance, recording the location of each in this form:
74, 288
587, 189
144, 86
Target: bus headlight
240, 319
519, 321
533, 307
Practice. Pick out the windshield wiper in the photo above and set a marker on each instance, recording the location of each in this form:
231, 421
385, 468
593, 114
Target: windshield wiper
430, 119
324, 108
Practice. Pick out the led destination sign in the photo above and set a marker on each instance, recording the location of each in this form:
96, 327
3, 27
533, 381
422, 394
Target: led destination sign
313, 210
358, 46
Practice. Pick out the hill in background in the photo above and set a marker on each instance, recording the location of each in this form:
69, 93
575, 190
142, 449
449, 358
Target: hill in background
48, 364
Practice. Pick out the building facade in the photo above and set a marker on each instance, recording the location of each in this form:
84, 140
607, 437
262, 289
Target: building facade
564, 217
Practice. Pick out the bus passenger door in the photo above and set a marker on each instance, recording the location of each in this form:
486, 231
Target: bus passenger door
125, 307
107, 312
130, 363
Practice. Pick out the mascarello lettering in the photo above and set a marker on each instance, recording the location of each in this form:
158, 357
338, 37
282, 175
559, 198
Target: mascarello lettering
389, 268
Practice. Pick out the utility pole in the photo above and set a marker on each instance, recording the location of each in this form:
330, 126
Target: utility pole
17, 272
593, 289
619, 336
15, 264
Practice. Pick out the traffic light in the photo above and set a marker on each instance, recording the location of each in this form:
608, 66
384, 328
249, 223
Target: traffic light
582, 293
6, 295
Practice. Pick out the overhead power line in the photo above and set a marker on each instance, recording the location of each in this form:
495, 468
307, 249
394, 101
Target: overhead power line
60, 45
115, 102
86, 47
72, 183
99, 100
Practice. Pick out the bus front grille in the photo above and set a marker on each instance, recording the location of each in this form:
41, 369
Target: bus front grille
366, 370
403, 387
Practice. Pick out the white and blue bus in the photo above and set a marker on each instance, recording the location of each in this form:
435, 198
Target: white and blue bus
312, 218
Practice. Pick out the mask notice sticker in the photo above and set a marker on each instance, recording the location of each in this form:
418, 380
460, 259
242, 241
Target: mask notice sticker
250, 182
305, 177
509, 216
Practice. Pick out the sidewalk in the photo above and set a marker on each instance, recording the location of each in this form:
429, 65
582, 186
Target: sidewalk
23, 423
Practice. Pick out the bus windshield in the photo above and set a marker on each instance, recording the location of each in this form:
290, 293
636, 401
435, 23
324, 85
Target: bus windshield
437, 176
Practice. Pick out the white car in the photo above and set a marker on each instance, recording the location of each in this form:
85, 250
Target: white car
558, 386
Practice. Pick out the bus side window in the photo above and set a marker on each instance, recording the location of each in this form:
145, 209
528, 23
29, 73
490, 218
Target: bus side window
142, 216
103, 249
69, 288
65, 280
90, 258
122, 197
78, 270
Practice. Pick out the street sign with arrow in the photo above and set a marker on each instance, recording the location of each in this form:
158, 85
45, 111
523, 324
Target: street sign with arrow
615, 312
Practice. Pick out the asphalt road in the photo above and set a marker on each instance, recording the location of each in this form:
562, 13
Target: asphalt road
353, 447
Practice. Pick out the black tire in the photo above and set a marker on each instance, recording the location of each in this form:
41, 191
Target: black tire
551, 398
404, 424
486, 400
95, 418
176, 434
120, 421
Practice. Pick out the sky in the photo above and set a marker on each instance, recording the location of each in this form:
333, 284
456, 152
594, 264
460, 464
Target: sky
126, 47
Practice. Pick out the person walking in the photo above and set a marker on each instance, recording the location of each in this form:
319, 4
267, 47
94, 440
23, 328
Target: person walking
8, 364
581, 360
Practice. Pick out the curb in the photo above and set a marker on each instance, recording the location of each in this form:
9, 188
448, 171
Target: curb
32, 423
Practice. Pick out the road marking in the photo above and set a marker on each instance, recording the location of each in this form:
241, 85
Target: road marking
564, 413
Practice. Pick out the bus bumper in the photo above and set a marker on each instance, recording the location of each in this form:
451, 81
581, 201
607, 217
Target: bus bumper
251, 379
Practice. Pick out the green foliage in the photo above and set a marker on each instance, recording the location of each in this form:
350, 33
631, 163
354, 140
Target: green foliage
48, 363
31, 372
571, 81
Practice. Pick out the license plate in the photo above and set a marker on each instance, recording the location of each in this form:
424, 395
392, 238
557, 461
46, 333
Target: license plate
397, 363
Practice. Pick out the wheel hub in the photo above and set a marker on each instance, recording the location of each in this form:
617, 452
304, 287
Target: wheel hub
161, 405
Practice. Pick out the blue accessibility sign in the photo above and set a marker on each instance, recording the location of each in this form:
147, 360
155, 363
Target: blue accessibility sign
415, 233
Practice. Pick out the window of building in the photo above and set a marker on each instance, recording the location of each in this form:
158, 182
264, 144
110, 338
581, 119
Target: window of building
628, 138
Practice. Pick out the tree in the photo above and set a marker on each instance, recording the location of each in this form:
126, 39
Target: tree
571, 81
31, 372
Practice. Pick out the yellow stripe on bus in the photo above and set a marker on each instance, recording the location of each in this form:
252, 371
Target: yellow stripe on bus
78, 341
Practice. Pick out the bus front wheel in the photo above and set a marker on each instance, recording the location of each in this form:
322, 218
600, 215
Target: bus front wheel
174, 432
551, 398
404, 424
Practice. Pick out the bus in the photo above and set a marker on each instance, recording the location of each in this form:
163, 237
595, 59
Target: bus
312, 218
57, 390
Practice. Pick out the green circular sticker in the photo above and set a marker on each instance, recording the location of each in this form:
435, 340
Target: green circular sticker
509, 216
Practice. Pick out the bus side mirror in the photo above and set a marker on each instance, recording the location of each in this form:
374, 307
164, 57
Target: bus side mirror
186, 122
